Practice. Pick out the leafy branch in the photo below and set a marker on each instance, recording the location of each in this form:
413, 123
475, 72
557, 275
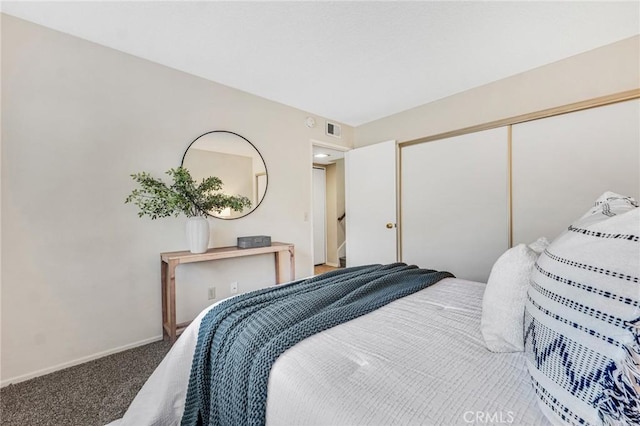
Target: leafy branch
156, 199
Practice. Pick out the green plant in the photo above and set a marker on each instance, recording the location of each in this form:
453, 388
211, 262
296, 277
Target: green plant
156, 199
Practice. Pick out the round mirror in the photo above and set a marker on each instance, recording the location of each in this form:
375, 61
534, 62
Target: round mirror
235, 161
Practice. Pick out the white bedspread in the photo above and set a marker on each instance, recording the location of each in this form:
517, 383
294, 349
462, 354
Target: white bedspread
419, 360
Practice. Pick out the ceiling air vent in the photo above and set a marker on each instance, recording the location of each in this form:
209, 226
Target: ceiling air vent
333, 129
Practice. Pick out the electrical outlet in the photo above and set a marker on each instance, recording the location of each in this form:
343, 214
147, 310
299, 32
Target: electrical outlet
212, 293
234, 287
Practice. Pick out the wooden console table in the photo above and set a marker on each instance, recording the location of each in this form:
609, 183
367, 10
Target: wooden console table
170, 260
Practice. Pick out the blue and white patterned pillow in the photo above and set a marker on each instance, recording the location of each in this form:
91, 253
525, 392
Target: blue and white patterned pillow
582, 319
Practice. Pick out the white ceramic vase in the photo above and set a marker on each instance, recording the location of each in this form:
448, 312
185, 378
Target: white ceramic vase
197, 234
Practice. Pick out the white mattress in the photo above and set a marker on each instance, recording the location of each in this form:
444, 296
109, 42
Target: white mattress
419, 360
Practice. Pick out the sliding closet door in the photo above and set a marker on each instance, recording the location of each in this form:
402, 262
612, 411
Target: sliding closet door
562, 164
454, 203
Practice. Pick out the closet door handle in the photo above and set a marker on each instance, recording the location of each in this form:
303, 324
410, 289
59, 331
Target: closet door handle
390, 225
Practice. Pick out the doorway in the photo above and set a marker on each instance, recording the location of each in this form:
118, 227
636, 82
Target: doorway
328, 206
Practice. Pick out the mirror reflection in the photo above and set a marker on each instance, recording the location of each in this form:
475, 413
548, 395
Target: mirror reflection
233, 159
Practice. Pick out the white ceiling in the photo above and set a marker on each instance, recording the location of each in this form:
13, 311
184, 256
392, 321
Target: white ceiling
349, 61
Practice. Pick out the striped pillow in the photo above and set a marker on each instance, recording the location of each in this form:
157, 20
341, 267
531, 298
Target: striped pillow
582, 319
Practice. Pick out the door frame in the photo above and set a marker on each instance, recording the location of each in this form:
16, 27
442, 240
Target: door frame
312, 143
313, 208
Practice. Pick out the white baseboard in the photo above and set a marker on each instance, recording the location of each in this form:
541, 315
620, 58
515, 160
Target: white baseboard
24, 377
335, 265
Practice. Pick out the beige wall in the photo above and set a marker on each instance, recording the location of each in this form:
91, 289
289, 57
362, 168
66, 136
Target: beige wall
603, 71
81, 274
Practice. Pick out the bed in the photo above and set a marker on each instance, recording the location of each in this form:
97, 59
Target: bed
552, 338
383, 368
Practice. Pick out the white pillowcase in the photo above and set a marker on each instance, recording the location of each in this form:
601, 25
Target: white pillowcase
607, 205
539, 245
582, 319
505, 295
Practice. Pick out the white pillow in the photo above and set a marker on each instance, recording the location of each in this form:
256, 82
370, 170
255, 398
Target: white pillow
607, 205
582, 319
504, 297
539, 245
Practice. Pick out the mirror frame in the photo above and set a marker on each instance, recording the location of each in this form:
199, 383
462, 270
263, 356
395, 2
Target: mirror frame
266, 188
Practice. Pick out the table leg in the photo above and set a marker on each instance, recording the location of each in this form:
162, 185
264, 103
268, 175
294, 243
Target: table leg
171, 300
278, 274
292, 264
163, 290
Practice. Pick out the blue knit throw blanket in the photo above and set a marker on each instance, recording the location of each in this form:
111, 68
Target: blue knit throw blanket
241, 338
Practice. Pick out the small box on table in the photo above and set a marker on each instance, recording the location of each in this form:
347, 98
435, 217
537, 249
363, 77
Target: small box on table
254, 241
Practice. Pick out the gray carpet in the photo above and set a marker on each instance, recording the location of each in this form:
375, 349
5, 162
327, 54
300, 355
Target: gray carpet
94, 393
